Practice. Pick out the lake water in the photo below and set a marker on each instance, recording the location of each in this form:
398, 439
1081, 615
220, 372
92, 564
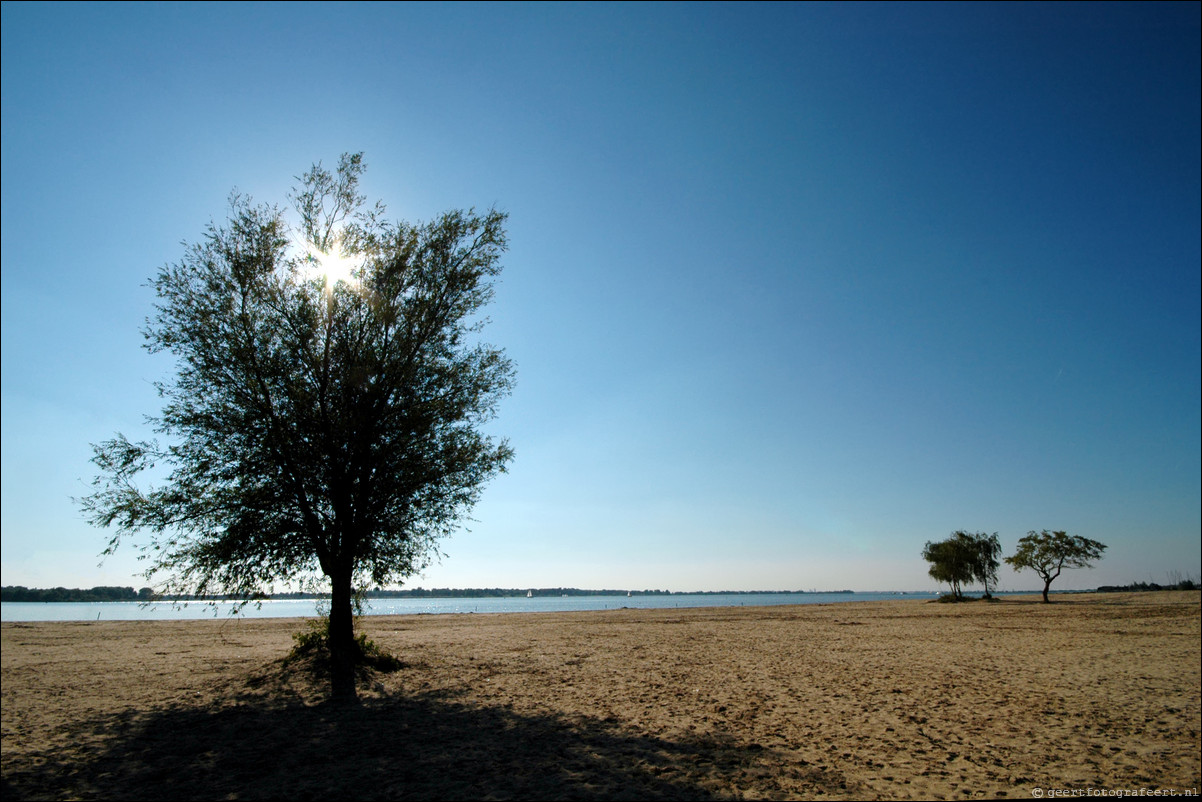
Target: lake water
302, 608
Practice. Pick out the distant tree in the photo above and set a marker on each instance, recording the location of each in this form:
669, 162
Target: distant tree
989, 553
953, 561
1048, 553
324, 418
963, 559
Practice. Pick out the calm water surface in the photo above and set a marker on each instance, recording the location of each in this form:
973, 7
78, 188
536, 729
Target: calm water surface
299, 608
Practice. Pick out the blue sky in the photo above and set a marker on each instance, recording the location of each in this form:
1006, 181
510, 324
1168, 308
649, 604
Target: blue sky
792, 289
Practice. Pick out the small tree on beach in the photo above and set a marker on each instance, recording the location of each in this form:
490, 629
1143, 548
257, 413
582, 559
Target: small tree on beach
953, 561
989, 552
1048, 553
324, 418
964, 558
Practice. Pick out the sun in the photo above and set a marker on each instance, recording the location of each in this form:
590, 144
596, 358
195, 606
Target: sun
335, 266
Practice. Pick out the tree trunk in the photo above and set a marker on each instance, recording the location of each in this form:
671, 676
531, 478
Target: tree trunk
342, 640
1046, 585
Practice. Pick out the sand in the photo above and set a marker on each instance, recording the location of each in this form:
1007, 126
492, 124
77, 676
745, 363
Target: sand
889, 700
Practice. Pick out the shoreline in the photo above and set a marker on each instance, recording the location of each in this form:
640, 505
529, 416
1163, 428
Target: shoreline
875, 699
66, 611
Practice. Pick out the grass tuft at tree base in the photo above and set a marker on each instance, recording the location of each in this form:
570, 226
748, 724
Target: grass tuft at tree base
949, 598
314, 644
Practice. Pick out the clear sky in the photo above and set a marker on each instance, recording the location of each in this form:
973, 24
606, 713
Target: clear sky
792, 289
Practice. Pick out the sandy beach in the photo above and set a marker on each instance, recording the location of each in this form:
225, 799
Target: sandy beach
888, 700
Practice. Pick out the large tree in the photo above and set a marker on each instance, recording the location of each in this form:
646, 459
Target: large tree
325, 413
1048, 553
964, 558
953, 561
989, 552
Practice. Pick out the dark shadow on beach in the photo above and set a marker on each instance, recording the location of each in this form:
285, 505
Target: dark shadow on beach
390, 747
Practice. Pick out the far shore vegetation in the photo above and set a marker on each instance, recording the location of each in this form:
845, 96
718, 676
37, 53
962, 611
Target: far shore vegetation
101, 593
105, 593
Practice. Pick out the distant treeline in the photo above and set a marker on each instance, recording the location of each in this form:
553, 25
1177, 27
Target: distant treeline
1184, 584
19, 593
495, 593
471, 593
101, 593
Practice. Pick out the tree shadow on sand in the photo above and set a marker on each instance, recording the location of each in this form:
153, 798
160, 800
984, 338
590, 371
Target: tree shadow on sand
394, 746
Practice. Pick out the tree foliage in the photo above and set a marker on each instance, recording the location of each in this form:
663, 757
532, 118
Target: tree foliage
314, 426
963, 559
100, 593
1048, 553
989, 554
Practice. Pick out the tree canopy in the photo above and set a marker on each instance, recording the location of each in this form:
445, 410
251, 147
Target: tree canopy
964, 558
989, 553
326, 411
1048, 553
